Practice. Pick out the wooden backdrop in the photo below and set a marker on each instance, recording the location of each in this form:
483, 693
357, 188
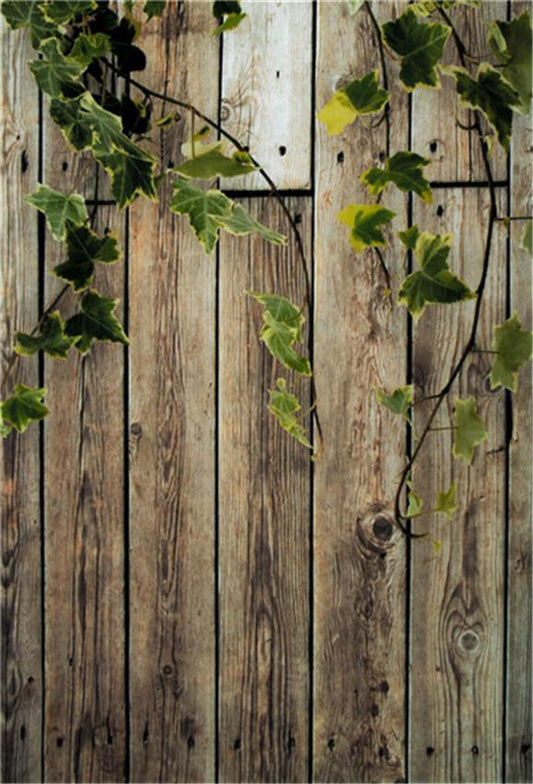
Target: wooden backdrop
186, 597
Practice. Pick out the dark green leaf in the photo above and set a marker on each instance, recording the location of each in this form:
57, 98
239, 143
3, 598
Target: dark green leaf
55, 70
362, 96
85, 249
223, 7
420, 45
285, 406
51, 339
59, 209
492, 94
513, 345
364, 221
154, 8
24, 13
433, 283
409, 237
67, 114
403, 169
130, 176
282, 327
469, 428
89, 47
24, 407
63, 11
96, 321
511, 43
399, 401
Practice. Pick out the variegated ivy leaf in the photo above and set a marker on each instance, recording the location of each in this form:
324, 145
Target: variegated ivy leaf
420, 45
446, 501
399, 401
433, 282
409, 237
469, 428
84, 250
28, 13
214, 163
96, 321
364, 221
231, 13
362, 96
59, 209
89, 47
66, 10
130, 175
23, 407
428, 7
285, 407
55, 71
282, 328
404, 169
513, 346
512, 44
491, 93
51, 339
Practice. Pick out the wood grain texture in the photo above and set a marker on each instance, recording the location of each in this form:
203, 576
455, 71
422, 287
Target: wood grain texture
172, 377
454, 152
519, 608
457, 600
19, 465
263, 521
360, 338
266, 91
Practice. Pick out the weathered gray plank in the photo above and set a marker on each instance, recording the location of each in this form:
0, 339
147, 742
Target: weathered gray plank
454, 152
360, 339
518, 730
172, 327
263, 522
457, 600
20, 514
266, 91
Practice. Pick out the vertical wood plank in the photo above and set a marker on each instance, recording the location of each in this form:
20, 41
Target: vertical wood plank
457, 593
21, 543
172, 375
360, 339
264, 522
453, 152
518, 731
266, 91
85, 722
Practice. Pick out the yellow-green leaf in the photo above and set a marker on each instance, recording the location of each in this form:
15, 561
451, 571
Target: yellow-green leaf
469, 428
282, 328
23, 407
364, 221
446, 501
513, 345
399, 401
362, 96
285, 406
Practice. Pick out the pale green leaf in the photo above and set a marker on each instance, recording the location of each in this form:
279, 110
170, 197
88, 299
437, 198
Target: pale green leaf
433, 282
420, 45
59, 209
399, 401
51, 339
84, 250
404, 169
96, 321
240, 222
214, 163
511, 43
54, 71
23, 407
446, 501
469, 428
282, 327
526, 240
428, 7
284, 406
513, 345
230, 23
354, 6
362, 96
364, 221
415, 504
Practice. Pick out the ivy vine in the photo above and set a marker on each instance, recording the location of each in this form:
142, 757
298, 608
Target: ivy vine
81, 42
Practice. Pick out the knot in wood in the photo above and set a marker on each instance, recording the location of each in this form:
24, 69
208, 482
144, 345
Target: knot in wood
468, 641
377, 531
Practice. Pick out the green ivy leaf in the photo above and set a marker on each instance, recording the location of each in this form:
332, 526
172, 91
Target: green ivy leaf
364, 221
24, 407
446, 501
130, 176
66, 10
415, 504
59, 209
428, 7
403, 169
67, 114
354, 6
492, 94
54, 71
420, 45
51, 339
409, 237
89, 47
282, 327
231, 13
284, 406
513, 345
107, 130
154, 8
215, 164
511, 43
399, 402
362, 96
433, 283
96, 321
230, 23
526, 240
84, 250
469, 428
27, 13
209, 211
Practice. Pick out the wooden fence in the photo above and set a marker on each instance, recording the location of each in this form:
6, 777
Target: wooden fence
186, 597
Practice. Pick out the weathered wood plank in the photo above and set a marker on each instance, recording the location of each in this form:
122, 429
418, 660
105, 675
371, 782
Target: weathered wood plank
20, 513
453, 152
518, 731
360, 338
457, 600
172, 327
266, 91
264, 521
